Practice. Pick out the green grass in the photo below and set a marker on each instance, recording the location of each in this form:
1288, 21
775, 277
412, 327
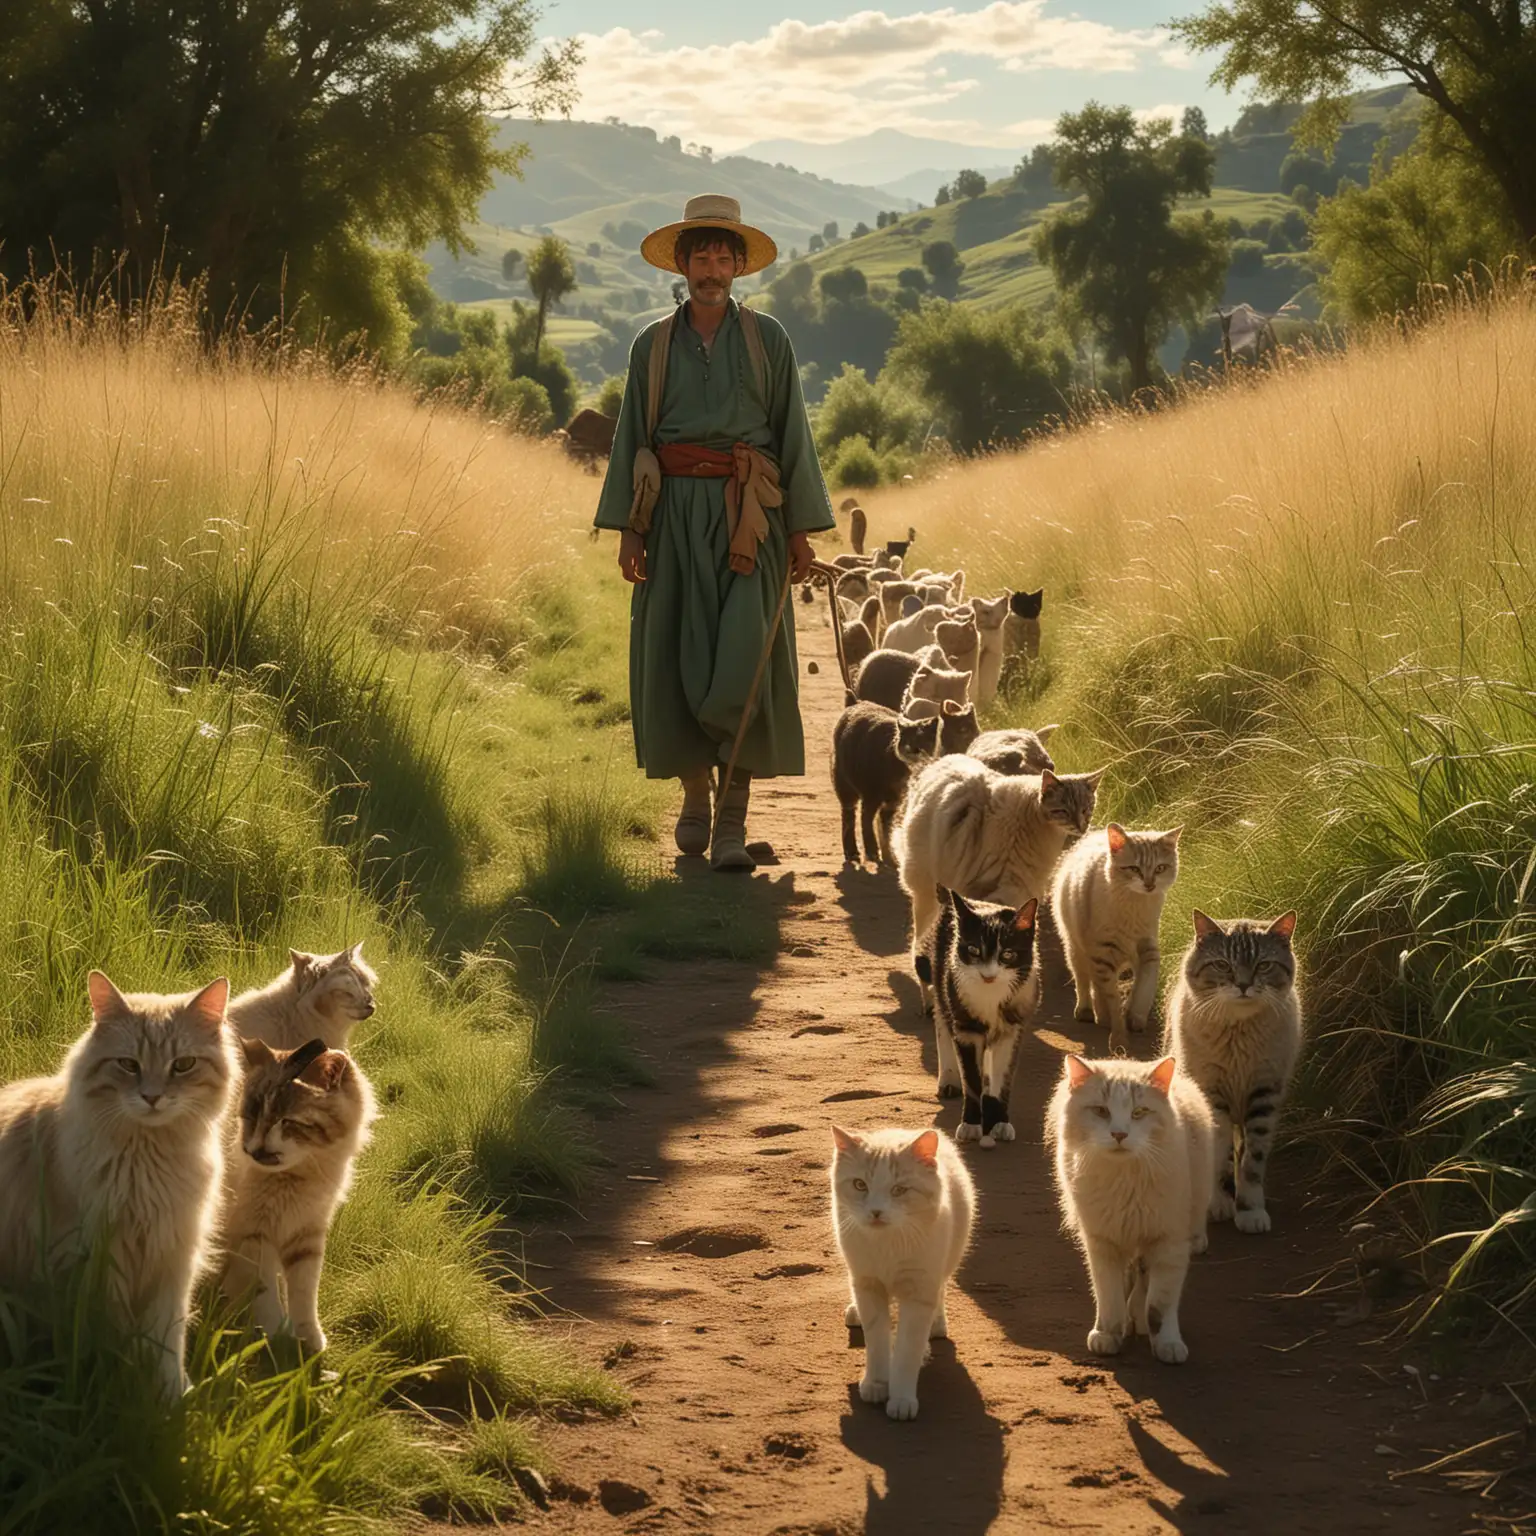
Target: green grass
289, 662
1294, 615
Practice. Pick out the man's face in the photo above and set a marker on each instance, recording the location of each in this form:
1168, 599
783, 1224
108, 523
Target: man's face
711, 271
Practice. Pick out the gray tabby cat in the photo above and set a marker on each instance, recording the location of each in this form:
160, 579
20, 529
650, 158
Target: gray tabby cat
1234, 1022
1015, 750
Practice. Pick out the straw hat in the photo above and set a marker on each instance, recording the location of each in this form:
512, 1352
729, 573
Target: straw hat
711, 211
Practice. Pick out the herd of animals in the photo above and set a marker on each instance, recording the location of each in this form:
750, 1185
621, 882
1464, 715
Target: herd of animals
985, 833
188, 1137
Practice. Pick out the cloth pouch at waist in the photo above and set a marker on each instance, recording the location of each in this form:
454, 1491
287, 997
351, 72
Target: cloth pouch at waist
753, 486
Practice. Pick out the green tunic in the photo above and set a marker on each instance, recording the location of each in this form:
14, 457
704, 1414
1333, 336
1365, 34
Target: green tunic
697, 628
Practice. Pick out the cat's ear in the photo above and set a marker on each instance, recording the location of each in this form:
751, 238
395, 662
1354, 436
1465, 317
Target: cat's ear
1116, 835
1048, 780
1206, 927
1173, 834
950, 707
255, 1053
926, 1147
1162, 1075
957, 901
1092, 779
355, 952
1078, 1071
1045, 733
1024, 918
327, 1070
302, 963
206, 1009
1037, 596
846, 1141
106, 1001
1284, 927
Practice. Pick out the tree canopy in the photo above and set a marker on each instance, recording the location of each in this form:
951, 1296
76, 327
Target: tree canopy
551, 275
1123, 259
258, 143
970, 184
944, 266
1474, 59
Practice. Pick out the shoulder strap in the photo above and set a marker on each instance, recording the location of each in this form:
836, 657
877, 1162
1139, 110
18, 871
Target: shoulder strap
752, 334
656, 378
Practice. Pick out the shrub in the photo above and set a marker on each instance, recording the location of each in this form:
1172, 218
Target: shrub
854, 466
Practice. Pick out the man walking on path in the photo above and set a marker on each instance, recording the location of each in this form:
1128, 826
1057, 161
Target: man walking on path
713, 484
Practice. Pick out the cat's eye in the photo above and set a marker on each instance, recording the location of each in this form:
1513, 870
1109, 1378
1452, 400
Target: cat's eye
1008, 954
971, 952
128, 1064
1140, 1112
1102, 1111
1161, 869
293, 1127
860, 1185
183, 1064
898, 1189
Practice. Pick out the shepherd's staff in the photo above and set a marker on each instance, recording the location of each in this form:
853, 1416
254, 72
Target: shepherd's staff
818, 567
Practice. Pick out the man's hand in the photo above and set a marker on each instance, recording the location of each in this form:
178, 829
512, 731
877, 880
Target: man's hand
632, 556
800, 556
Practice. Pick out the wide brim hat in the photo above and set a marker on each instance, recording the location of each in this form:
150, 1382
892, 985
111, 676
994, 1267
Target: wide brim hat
711, 211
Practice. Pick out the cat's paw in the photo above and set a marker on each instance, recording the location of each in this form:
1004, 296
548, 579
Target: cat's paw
901, 1408
1004, 1131
968, 1131
986, 1141
939, 1327
1199, 1243
1102, 1341
1135, 1025
873, 1390
1172, 1351
1252, 1221
311, 1338
851, 1317
950, 1088
1083, 1014
1222, 1206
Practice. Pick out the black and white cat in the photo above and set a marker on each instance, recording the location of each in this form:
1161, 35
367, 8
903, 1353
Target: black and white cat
980, 963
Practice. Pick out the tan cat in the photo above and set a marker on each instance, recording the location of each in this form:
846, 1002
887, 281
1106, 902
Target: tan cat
318, 997
304, 1116
122, 1148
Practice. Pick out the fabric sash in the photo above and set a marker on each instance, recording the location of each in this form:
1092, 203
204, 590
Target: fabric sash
753, 485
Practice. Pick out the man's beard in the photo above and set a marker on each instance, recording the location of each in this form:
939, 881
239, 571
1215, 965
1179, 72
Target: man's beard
711, 291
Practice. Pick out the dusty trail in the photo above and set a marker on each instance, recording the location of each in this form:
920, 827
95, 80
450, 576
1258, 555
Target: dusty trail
706, 1262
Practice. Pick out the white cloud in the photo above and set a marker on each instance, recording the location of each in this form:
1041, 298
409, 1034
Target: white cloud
833, 80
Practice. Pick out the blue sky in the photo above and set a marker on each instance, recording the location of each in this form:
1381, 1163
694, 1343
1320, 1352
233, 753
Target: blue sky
994, 73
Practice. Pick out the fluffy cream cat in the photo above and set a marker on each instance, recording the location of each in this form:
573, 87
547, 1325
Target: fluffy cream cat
122, 1148
913, 633
1135, 1144
931, 688
1234, 1020
991, 836
318, 997
902, 1207
991, 612
304, 1116
1107, 899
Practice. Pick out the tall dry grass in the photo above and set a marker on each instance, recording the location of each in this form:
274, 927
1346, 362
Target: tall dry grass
287, 660
1295, 613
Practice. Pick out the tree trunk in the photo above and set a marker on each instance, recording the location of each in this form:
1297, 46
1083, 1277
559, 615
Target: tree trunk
538, 335
1139, 356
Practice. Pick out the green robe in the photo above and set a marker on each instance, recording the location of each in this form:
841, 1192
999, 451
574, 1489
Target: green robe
697, 628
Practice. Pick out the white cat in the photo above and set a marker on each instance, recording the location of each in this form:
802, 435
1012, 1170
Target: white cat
991, 612
318, 997
122, 1148
1107, 899
902, 1207
1135, 1145
991, 836
912, 634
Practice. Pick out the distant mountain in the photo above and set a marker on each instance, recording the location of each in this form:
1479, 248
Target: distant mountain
593, 182
921, 186
888, 158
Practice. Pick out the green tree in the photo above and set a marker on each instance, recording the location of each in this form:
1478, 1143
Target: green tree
1475, 60
881, 220
1122, 258
941, 196
1192, 125
860, 230
611, 396
527, 356
277, 149
988, 375
829, 231
551, 276
511, 265
815, 244
843, 284
880, 413
1426, 219
944, 267
1036, 173
970, 184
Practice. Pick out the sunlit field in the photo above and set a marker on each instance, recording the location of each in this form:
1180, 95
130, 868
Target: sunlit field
1293, 613
290, 661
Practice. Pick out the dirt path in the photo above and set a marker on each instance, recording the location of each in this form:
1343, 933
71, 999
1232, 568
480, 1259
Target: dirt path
747, 1419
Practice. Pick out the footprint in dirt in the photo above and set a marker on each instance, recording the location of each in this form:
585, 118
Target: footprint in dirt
785, 1128
848, 1095
713, 1242
819, 1029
